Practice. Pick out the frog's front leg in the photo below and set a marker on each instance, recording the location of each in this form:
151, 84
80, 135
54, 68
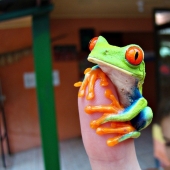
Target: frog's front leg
91, 75
123, 116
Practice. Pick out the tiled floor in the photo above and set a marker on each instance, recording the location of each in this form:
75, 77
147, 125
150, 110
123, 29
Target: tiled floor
73, 156
144, 149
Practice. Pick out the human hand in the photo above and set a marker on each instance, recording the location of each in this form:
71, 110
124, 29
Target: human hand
102, 157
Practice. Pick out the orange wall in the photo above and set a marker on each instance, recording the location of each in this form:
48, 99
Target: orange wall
14, 39
17, 38
21, 105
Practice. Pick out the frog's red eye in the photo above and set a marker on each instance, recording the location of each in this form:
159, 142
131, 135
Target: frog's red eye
134, 55
92, 43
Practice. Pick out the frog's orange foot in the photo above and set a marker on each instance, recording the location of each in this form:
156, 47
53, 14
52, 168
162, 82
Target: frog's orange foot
78, 84
120, 124
90, 95
120, 138
91, 75
104, 83
114, 141
101, 109
119, 130
109, 94
87, 70
96, 123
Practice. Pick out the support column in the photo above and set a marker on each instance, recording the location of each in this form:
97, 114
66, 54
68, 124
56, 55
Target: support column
45, 90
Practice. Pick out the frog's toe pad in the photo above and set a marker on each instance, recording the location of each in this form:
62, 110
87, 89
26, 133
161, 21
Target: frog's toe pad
94, 124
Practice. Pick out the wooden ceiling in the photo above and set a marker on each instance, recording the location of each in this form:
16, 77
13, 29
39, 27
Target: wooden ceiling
106, 8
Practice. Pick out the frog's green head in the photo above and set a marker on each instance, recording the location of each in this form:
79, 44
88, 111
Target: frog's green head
128, 59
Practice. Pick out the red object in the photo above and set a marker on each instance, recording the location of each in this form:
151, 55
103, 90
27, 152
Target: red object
164, 70
134, 55
92, 43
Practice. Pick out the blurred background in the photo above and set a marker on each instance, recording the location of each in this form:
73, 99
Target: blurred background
72, 25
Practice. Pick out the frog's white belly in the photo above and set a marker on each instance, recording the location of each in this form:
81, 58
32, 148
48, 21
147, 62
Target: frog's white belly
124, 81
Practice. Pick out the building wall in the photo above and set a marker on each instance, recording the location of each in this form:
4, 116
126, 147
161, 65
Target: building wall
70, 27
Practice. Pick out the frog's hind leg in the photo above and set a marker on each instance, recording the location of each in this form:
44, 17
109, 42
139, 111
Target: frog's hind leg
124, 130
116, 128
143, 119
121, 138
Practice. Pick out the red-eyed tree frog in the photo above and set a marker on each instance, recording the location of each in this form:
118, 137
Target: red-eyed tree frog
125, 67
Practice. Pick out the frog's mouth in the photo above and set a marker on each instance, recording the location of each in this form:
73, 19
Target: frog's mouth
105, 64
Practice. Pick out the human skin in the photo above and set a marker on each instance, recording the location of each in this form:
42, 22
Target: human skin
102, 157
